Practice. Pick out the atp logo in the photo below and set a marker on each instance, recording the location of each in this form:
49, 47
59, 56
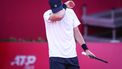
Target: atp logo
24, 60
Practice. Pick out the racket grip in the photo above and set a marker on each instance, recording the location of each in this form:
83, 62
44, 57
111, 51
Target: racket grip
84, 53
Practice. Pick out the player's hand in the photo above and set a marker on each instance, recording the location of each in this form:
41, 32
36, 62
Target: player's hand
70, 4
89, 54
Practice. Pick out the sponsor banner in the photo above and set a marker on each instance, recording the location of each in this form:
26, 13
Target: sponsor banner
24, 55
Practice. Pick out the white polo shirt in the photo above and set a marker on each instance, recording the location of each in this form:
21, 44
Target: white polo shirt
60, 35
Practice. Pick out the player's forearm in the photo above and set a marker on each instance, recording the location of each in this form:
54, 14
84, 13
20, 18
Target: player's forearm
78, 36
57, 16
80, 40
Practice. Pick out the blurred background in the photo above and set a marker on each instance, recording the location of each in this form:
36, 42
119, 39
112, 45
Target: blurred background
23, 36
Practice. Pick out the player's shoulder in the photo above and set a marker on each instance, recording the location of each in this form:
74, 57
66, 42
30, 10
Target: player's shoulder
70, 10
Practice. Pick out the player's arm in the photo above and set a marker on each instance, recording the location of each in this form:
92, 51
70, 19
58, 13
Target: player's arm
59, 15
79, 38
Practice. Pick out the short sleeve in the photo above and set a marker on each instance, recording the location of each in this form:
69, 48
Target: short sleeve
76, 21
46, 15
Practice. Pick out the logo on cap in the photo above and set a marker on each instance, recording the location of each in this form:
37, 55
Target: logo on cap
55, 5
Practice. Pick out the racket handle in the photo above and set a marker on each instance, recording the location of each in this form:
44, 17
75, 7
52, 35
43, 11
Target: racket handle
100, 60
84, 53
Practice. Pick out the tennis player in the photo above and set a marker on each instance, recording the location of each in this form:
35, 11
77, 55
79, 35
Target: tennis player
62, 36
